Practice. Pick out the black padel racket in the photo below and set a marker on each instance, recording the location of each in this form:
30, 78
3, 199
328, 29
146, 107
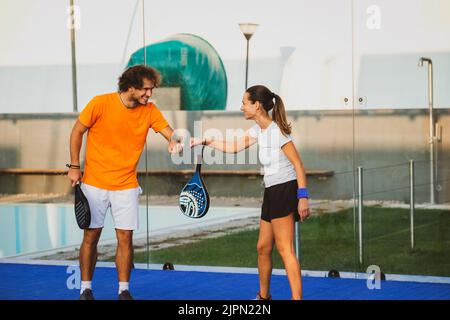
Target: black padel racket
82, 211
194, 198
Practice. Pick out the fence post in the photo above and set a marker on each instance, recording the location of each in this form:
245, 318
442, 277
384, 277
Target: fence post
360, 212
297, 241
411, 201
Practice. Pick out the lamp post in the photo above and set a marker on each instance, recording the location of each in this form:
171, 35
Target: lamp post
74, 62
248, 29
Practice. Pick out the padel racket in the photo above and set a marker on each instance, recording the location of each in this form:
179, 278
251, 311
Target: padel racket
82, 211
194, 198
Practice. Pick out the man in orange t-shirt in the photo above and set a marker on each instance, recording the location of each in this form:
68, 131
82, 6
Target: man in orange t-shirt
117, 125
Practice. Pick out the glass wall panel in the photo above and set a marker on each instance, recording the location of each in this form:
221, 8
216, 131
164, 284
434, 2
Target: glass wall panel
401, 75
36, 207
301, 52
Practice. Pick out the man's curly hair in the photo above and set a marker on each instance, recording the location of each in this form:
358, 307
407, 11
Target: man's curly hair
133, 77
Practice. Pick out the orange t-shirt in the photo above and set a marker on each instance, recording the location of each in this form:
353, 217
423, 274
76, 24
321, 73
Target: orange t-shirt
115, 140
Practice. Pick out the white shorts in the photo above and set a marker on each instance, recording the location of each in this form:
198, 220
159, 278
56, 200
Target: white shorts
124, 206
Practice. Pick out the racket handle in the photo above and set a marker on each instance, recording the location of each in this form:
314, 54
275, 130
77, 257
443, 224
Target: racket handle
200, 160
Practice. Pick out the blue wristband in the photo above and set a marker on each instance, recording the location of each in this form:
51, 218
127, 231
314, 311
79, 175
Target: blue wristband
302, 193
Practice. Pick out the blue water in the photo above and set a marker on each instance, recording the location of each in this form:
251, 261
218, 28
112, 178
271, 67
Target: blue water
31, 228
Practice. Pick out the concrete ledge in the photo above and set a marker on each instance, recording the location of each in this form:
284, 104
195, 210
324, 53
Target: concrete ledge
19, 171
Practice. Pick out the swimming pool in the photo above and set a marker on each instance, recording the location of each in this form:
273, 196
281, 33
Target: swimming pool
31, 228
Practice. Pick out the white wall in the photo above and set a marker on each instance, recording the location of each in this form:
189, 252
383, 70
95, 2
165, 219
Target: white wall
35, 73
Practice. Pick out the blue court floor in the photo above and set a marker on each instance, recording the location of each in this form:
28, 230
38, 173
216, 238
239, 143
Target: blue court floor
51, 282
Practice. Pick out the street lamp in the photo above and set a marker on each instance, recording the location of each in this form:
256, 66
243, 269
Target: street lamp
248, 29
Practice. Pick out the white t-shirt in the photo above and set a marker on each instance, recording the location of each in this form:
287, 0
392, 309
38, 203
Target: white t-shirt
276, 168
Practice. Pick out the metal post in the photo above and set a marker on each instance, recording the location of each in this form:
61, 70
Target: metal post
74, 62
411, 202
297, 243
146, 150
143, 32
246, 65
430, 107
360, 211
431, 124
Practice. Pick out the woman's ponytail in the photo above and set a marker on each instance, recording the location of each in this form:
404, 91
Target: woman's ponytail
279, 115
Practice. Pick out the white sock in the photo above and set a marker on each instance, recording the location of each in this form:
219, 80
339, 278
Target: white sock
123, 286
85, 285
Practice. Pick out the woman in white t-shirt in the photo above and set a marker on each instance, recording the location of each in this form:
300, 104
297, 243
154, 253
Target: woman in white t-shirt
285, 195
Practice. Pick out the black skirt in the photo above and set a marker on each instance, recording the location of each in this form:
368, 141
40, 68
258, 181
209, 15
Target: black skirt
280, 200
